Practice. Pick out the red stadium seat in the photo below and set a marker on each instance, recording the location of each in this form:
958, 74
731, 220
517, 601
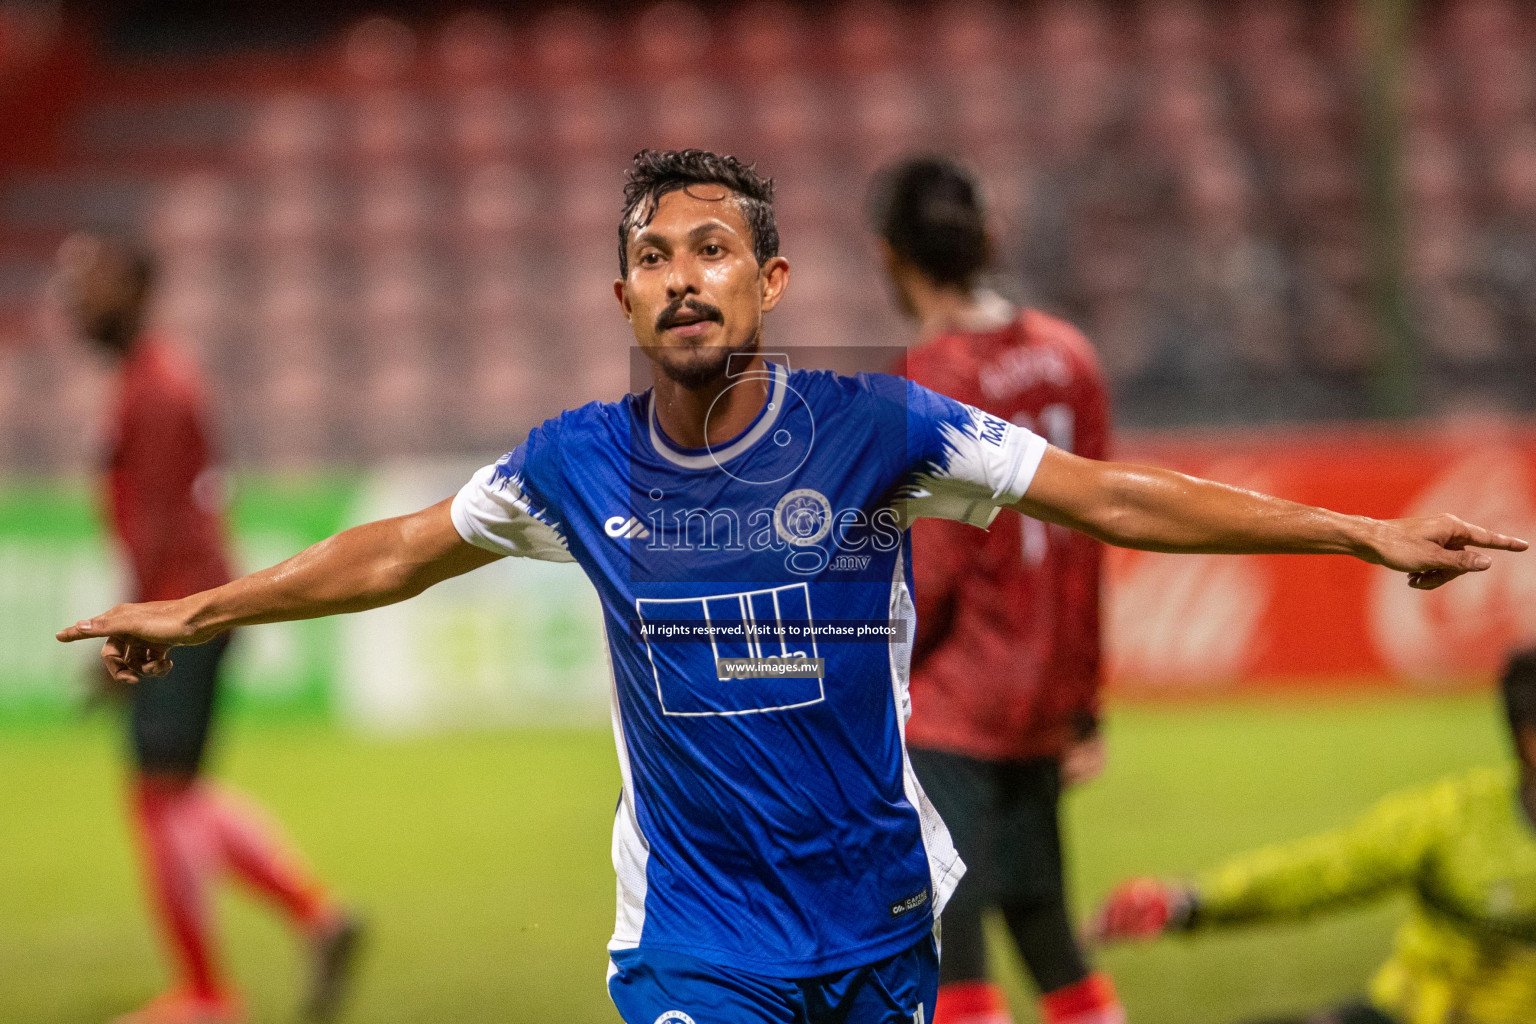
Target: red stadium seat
570, 45
488, 124
292, 129
764, 39
474, 50
396, 205
671, 40
379, 52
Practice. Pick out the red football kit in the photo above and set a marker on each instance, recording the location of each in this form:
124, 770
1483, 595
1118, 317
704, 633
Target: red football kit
163, 490
1006, 658
164, 497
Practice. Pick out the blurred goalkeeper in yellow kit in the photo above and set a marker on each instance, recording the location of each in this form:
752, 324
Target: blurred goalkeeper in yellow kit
1463, 848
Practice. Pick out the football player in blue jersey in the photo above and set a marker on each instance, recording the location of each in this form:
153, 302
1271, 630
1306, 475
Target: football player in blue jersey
745, 527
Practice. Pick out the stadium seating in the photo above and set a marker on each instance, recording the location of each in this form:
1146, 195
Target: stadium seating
400, 242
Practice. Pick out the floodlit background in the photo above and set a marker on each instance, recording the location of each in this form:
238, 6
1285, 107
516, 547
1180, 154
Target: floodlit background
1303, 236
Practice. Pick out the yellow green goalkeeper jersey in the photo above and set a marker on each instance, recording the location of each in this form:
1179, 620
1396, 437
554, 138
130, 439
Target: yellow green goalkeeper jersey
1466, 852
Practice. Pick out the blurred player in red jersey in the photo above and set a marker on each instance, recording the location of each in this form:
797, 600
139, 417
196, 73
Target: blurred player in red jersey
164, 498
1005, 668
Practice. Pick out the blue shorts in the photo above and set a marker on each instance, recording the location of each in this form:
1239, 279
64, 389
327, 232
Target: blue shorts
659, 987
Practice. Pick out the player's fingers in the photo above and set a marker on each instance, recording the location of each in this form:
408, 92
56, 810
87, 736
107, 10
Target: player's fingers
157, 661
114, 650
1479, 537
138, 656
1118, 924
151, 660
82, 630
1098, 931
1429, 579
112, 662
1449, 558
1109, 924
120, 670
1468, 561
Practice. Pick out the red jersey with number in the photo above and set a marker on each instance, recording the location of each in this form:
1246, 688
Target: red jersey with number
1006, 657
164, 491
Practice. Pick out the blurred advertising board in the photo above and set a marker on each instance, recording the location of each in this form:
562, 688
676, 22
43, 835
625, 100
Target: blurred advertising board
56, 566
1177, 624
517, 642
521, 642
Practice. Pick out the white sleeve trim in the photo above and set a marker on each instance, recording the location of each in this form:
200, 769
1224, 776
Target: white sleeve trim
493, 512
987, 464
1029, 465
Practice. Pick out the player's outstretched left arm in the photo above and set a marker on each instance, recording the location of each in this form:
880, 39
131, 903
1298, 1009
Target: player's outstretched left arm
1160, 510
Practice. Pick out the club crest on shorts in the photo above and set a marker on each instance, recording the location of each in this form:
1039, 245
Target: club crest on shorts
802, 517
674, 1017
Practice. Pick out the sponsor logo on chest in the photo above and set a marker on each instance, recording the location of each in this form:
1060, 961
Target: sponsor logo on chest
622, 528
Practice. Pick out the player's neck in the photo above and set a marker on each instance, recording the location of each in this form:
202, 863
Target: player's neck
972, 310
715, 413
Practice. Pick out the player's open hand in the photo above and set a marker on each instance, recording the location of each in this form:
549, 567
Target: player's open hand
1434, 551
1142, 908
139, 638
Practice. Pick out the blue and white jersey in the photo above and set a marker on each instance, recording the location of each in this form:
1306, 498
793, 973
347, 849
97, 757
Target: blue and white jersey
769, 822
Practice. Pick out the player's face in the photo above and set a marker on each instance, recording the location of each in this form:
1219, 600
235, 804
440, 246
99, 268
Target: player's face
99, 291
695, 294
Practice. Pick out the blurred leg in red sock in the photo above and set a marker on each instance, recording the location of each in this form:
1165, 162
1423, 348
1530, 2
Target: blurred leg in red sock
180, 862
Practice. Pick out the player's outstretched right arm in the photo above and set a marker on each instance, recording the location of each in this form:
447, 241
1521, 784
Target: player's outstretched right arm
365, 567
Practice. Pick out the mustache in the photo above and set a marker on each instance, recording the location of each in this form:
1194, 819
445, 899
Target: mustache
672, 316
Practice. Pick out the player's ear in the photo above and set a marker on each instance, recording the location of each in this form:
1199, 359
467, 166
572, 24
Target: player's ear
618, 290
775, 278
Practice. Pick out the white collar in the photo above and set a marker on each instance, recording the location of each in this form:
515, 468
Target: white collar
710, 457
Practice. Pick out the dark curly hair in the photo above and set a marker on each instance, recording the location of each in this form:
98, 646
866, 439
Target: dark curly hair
930, 211
657, 172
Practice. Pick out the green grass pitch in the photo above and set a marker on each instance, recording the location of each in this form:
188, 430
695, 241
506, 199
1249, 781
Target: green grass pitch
482, 860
